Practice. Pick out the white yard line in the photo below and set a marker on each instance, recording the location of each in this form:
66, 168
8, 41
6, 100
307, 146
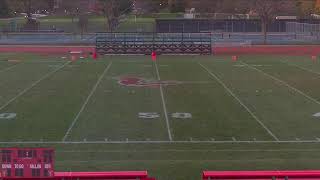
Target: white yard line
284, 83
305, 69
8, 68
241, 103
160, 142
86, 102
33, 85
163, 103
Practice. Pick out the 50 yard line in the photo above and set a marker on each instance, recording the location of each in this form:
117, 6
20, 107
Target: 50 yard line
86, 102
163, 103
241, 103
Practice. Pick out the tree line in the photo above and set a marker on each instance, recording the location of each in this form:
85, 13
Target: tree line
113, 10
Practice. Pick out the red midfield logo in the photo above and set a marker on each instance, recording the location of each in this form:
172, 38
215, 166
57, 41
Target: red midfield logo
132, 81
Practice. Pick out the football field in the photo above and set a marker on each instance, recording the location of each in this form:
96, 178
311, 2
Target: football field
174, 117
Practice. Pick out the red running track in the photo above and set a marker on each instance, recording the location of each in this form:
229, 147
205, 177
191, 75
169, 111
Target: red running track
269, 49
46, 49
259, 49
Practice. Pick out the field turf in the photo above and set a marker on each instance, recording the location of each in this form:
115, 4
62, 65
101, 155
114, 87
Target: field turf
175, 117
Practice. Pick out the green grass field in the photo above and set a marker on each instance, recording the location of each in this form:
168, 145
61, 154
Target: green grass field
205, 112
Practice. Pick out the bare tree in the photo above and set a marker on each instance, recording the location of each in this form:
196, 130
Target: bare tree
113, 10
267, 10
317, 6
170, 2
205, 7
306, 8
4, 8
83, 23
110, 9
29, 7
71, 8
154, 6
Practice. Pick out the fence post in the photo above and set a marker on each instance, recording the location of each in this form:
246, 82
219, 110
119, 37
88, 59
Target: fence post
232, 27
183, 27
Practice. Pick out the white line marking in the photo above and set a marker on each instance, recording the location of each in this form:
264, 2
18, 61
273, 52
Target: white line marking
187, 150
284, 83
159, 142
297, 66
32, 85
8, 68
163, 103
86, 102
230, 161
241, 103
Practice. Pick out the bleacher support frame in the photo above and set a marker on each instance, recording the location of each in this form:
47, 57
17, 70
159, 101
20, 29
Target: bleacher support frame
146, 43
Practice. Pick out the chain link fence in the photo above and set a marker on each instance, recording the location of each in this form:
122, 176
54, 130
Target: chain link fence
302, 28
304, 31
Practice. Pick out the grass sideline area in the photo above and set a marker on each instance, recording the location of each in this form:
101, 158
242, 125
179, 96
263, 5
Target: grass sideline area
256, 113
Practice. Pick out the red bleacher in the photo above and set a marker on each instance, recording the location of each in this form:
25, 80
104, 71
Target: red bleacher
261, 175
114, 175
123, 175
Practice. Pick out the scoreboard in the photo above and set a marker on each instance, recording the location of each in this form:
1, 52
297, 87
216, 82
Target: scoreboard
26, 163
